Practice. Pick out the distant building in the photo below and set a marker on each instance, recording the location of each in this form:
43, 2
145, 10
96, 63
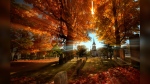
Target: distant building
94, 52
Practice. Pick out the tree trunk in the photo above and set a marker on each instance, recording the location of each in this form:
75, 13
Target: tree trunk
69, 48
69, 44
116, 29
61, 59
118, 44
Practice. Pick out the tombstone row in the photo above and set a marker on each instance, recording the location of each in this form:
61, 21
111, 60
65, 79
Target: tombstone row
79, 66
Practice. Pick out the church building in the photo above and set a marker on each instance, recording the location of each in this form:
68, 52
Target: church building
94, 52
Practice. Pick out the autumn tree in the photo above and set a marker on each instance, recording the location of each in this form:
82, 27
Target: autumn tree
22, 41
56, 50
117, 20
30, 28
75, 15
81, 50
50, 20
103, 51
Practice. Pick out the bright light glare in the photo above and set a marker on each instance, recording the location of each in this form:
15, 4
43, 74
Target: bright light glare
89, 43
92, 10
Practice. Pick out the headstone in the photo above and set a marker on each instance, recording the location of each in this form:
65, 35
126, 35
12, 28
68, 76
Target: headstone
135, 49
78, 67
79, 62
61, 78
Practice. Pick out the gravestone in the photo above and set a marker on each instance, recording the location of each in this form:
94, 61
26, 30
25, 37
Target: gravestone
79, 62
135, 49
61, 78
78, 67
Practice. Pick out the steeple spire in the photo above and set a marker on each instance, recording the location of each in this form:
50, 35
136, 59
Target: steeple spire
94, 42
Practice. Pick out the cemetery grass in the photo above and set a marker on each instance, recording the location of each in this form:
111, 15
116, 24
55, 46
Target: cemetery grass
92, 66
45, 72
102, 71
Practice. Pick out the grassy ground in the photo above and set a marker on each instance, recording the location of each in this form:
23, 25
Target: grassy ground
94, 65
45, 72
40, 72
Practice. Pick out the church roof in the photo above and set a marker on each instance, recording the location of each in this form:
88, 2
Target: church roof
94, 42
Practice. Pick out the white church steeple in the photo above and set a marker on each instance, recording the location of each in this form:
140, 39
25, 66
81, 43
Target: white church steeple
94, 53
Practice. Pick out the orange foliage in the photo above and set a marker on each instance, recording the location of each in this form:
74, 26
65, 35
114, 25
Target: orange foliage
44, 18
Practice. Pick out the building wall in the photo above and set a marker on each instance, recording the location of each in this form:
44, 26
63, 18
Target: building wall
94, 53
